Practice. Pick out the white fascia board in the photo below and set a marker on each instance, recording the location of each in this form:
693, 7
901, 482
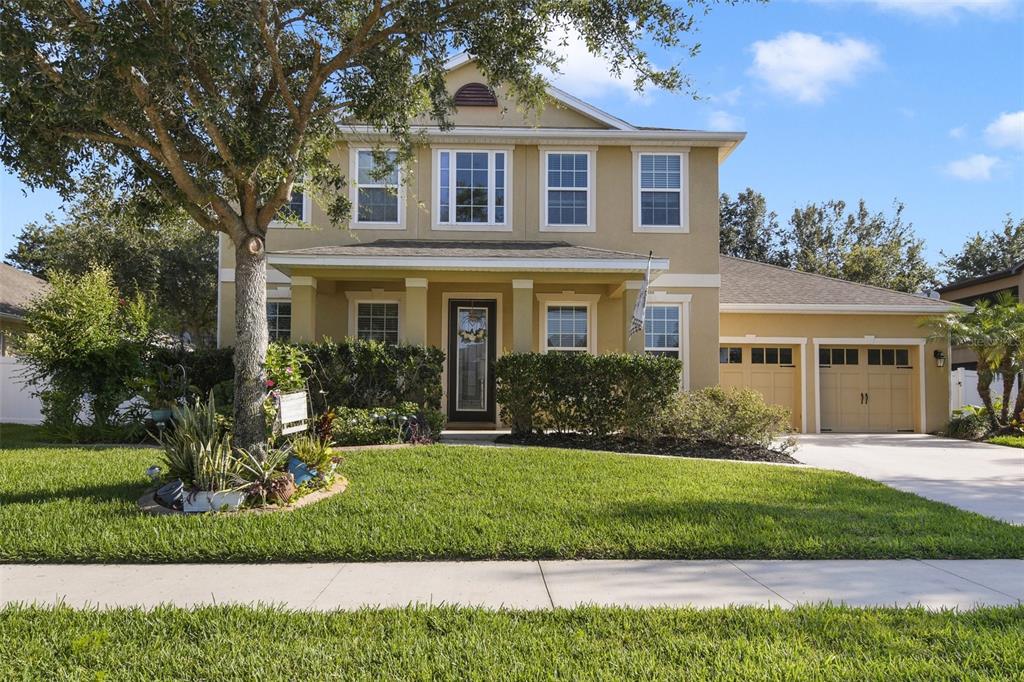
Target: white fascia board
594, 135
492, 264
838, 309
588, 110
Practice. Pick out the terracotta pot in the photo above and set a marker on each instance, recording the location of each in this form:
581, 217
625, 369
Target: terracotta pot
282, 491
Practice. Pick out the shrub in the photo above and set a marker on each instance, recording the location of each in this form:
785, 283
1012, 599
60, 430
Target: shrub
205, 368
595, 395
286, 367
736, 417
370, 374
968, 423
381, 425
197, 451
85, 346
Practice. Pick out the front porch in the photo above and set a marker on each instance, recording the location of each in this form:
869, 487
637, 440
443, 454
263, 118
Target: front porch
474, 300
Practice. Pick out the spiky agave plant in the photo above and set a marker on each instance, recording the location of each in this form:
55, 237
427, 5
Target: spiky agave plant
197, 451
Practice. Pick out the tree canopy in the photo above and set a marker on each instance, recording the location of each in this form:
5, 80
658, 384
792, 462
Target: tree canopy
147, 247
986, 253
827, 239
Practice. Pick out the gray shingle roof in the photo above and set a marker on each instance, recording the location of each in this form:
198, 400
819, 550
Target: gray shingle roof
466, 249
747, 282
17, 289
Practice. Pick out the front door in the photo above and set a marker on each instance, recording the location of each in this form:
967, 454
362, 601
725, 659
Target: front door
471, 352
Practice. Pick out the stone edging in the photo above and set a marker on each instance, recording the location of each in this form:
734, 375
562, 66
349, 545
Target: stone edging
149, 505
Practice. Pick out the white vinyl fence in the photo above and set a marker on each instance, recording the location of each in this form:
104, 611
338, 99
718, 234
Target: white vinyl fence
963, 389
17, 404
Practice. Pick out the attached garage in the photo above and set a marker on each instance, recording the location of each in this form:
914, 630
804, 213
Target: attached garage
861, 360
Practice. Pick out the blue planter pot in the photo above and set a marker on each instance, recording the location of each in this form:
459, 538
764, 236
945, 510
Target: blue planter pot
301, 472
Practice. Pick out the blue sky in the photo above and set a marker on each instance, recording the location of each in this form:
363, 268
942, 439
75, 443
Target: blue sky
921, 100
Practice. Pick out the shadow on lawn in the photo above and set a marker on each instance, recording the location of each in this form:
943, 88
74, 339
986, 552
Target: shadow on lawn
123, 492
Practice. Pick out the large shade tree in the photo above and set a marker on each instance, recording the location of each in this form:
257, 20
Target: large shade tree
223, 107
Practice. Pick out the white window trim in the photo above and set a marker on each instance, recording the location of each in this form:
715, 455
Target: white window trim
678, 349
279, 298
490, 226
661, 298
353, 195
684, 191
357, 297
591, 224
307, 214
548, 302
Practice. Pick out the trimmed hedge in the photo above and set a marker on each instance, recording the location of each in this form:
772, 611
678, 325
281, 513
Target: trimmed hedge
381, 425
592, 394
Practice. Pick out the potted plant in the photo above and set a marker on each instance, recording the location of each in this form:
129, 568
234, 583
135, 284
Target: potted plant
266, 477
311, 458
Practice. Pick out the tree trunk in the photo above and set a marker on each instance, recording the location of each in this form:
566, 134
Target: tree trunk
250, 348
1009, 376
1018, 406
985, 392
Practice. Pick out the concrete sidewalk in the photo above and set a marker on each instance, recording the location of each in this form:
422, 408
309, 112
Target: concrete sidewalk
524, 584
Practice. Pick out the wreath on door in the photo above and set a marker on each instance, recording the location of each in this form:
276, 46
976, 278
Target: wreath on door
473, 328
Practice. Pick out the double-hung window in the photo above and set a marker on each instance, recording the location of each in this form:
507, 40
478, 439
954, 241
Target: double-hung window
662, 335
279, 320
472, 189
296, 209
567, 191
377, 197
661, 204
567, 328
377, 322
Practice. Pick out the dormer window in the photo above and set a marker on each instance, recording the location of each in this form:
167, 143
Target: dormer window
475, 95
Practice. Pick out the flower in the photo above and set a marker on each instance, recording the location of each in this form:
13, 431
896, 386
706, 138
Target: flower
287, 370
271, 383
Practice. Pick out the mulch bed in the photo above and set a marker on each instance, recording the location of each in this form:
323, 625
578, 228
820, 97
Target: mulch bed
660, 446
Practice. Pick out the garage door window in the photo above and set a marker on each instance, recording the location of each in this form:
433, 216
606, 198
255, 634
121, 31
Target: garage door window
892, 357
828, 357
771, 356
730, 356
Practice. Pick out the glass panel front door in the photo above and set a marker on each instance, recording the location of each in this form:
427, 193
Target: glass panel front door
471, 355
471, 359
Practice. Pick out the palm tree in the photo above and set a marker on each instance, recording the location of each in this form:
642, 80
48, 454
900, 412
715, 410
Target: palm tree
995, 332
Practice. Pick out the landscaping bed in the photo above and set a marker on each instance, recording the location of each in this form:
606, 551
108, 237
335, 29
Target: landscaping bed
656, 446
438, 502
740, 643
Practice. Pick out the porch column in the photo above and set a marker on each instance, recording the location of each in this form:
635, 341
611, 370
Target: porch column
635, 343
522, 315
303, 309
415, 322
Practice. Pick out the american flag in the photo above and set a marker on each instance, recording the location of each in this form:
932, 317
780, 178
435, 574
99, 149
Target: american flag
637, 323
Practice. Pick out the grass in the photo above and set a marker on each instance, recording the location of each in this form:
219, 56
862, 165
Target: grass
78, 505
1010, 441
823, 642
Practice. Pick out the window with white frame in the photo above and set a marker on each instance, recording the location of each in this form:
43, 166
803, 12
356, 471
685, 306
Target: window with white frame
662, 335
661, 204
567, 328
377, 321
377, 198
567, 188
472, 187
294, 209
279, 320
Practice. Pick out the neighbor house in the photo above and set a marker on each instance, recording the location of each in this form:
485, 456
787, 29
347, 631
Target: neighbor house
17, 290
522, 232
985, 288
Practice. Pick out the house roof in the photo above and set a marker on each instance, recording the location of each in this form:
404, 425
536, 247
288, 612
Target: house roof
1014, 269
17, 289
753, 286
468, 255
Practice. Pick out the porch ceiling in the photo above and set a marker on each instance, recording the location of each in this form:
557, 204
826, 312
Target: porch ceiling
471, 256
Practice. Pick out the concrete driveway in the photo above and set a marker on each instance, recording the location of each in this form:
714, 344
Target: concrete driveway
988, 479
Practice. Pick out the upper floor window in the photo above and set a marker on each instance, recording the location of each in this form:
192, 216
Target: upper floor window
377, 199
567, 191
472, 189
279, 320
661, 204
296, 208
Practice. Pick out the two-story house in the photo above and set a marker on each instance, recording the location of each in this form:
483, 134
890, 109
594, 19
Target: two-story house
513, 232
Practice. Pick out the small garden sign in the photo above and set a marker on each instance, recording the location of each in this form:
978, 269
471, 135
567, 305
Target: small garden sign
294, 411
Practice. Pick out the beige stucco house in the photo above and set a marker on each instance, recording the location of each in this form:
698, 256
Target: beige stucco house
513, 232
987, 287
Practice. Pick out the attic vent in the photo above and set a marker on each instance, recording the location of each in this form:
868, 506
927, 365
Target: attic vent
475, 95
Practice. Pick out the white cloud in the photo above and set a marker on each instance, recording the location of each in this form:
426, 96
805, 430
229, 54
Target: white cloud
723, 120
976, 167
1007, 130
807, 67
944, 8
585, 74
729, 98
958, 132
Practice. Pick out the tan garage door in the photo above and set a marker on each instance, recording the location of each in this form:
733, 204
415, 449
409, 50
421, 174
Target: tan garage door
770, 370
866, 389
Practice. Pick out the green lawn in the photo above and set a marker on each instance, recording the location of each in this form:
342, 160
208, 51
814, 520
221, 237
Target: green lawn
78, 505
1011, 441
447, 643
